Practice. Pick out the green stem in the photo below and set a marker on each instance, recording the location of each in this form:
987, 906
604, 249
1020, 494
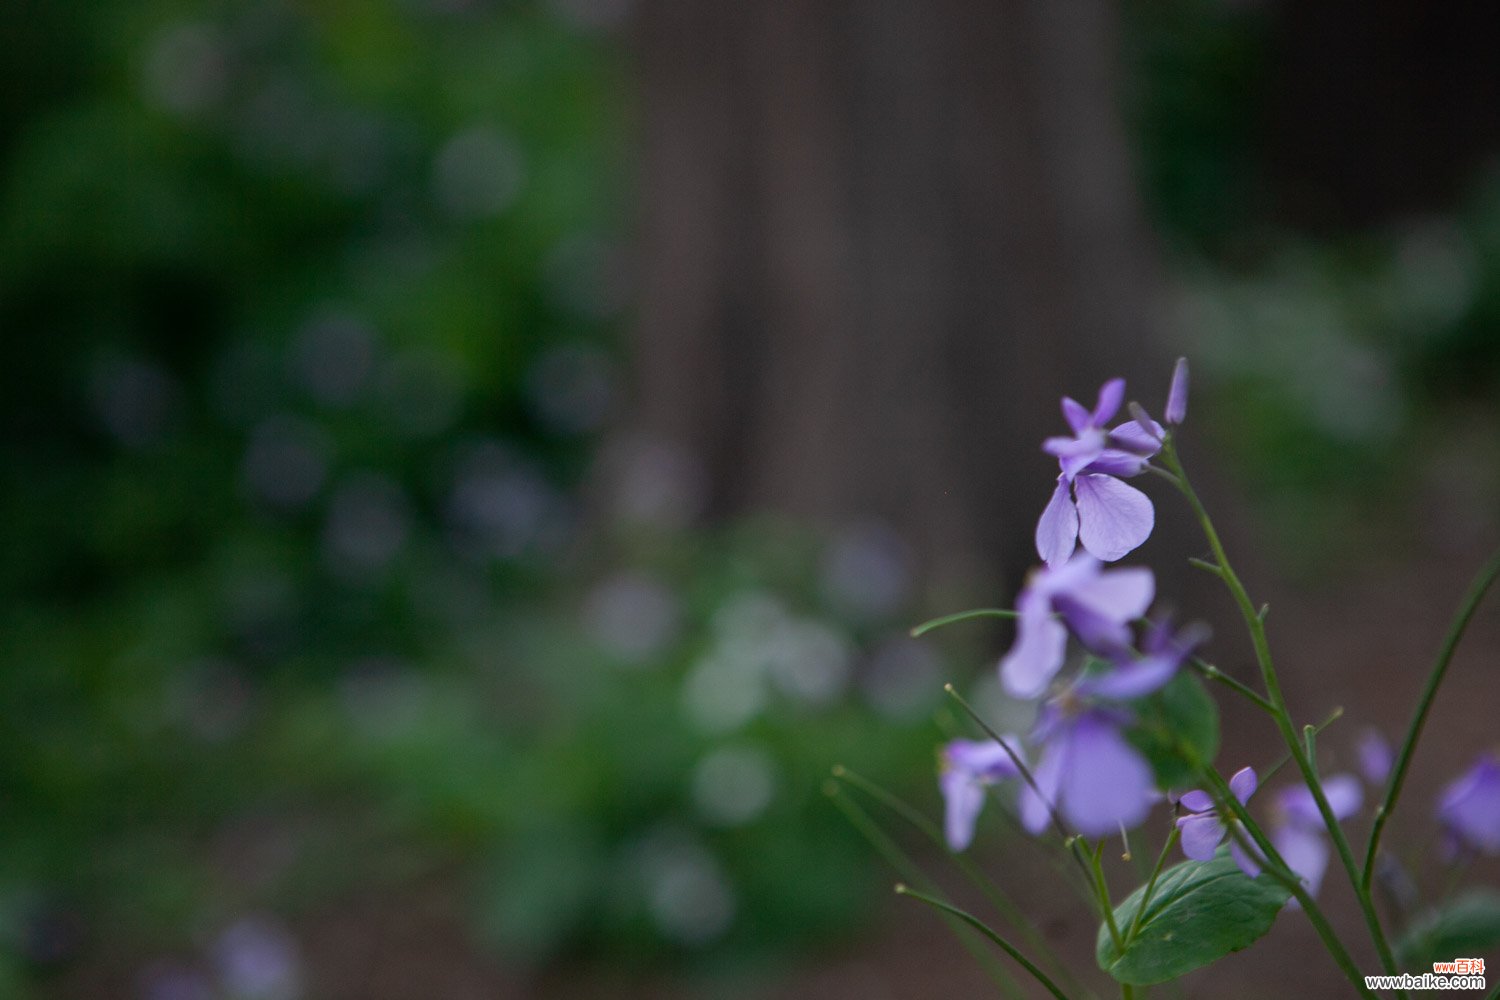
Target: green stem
992, 892
1213, 673
1255, 621
1106, 906
961, 616
979, 925
1460, 623
1161, 860
909, 869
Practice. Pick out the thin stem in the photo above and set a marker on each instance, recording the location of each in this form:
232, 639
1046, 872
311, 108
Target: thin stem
1161, 860
980, 926
992, 892
909, 869
961, 616
1213, 673
1255, 621
1015, 759
1460, 623
1106, 907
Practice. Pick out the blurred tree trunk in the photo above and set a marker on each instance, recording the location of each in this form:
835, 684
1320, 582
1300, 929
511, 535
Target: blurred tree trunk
878, 240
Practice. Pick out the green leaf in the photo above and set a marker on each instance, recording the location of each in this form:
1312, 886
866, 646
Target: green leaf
1182, 713
1468, 927
1200, 912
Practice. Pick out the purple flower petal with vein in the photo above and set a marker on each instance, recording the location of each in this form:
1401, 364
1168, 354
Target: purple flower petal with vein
1469, 808
1162, 654
968, 767
1301, 838
1088, 772
1203, 829
1089, 503
1096, 604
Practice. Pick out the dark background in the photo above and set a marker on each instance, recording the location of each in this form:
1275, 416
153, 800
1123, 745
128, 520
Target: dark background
468, 467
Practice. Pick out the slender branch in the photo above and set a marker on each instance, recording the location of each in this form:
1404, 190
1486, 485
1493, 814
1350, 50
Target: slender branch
961, 616
1255, 622
1210, 672
1482, 583
979, 925
1161, 860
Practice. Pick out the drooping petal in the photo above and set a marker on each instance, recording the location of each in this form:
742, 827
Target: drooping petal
1197, 800
1036, 809
1115, 462
1305, 852
1106, 783
963, 797
1076, 414
1057, 530
1201, 833
1177, 393
1135, 679
1111, 395
1243, 784
1100, 633
986, 760
1038, 651
1121, 595
1074, 454
1132, 437
1113, 518
1248, 860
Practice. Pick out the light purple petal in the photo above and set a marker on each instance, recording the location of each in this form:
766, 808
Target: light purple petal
1201, 833
1177, 394
1037, 654
1113, 518
985, 759
1344, 795
1057, 530
1248, 860
1375, 757
1036, 810
1076, 414
1121, 595
963, 798
1132, 437
1111, 395
1469, 808
1101, 634
1115, 462
1197, 800
1131, 680
1105, 783
1243, 784
1305, 852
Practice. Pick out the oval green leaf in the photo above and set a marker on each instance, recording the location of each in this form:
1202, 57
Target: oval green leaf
1180, 714
1199, 912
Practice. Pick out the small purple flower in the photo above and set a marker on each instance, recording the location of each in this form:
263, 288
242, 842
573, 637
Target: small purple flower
1375, 756
1162, 654
968, 767
1301, 837
1090, 503
1203, 829
1086, 771
1177, 394
1469, 808
1096, 605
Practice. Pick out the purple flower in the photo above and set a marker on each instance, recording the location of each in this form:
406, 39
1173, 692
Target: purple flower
1090, 503
1202, 827
1301, 837
1096, 605
1375, 756
1162, 654
968, 767
1086, 771
1177, 394
1469, 808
